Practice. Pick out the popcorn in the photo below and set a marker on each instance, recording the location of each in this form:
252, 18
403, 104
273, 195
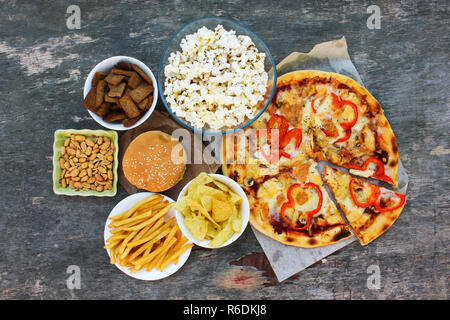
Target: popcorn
218, 78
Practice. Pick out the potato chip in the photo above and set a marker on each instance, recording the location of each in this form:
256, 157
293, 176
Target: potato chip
221, 210
213, 192
197, 226
211, 210
235, 198
222, 236
237, 223
222, 186
201, 179
207, 202
212, 232
181, 206
195, 205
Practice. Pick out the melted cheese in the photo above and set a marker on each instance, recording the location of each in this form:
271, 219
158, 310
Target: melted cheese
370, 170
269, 189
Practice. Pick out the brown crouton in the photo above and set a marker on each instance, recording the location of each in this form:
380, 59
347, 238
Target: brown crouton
114, 79
100, 92
143, 104
131, 121
149, 103
103, 109
124, 65
134, 80
117, 91
110, 99
115, 116
141, 92
89, 101
97, 77
142, 74
129, 107
126, 73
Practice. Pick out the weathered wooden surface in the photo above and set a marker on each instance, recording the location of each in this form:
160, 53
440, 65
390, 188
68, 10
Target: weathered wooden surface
43, 65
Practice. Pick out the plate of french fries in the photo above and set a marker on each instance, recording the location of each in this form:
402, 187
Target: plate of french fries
143, 239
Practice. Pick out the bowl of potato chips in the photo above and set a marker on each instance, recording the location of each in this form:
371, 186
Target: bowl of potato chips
212, 210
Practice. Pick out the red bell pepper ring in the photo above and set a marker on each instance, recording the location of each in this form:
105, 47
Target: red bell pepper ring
284, 154
379, 172
280, 137
349, 125
294, 133
291, 203
336, 101
375, 192
280, 123
402, 198
347, 136
328, 133
374, 199
312, 106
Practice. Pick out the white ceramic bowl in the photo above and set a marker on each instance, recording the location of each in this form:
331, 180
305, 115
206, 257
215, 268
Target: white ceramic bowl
106, 66
245, 212
143, 274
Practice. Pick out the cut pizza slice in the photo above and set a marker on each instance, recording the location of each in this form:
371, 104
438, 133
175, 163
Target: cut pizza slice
369, 209
340, 120
293, 207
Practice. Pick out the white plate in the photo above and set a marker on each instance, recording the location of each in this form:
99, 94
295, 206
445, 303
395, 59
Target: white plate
143, 274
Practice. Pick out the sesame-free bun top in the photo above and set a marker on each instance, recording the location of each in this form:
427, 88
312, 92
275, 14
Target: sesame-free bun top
154, 161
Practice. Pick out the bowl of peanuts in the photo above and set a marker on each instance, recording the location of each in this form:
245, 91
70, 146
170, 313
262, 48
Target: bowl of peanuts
85, 162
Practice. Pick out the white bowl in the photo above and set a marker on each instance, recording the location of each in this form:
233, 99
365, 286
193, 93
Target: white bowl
106, 66
245, 212
143, 274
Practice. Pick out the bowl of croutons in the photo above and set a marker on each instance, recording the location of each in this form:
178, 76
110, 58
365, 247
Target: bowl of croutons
120, 93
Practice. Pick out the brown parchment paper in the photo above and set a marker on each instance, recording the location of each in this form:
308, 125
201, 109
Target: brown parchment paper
163, 122
331, 56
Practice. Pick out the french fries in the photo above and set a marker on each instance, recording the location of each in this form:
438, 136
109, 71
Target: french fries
142, 239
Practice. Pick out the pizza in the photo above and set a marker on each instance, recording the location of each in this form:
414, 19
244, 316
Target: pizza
369, 208
313, 116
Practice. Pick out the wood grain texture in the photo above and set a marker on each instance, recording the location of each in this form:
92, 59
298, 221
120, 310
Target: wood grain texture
405, 65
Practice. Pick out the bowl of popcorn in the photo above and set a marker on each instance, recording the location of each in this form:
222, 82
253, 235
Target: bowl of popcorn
216, 76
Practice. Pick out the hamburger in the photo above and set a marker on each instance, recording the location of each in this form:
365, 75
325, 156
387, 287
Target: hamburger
154, 161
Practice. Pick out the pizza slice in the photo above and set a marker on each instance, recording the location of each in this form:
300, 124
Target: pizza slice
340, 120
369, 209
294, 208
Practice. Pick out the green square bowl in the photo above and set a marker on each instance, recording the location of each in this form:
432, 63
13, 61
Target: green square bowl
60, 136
